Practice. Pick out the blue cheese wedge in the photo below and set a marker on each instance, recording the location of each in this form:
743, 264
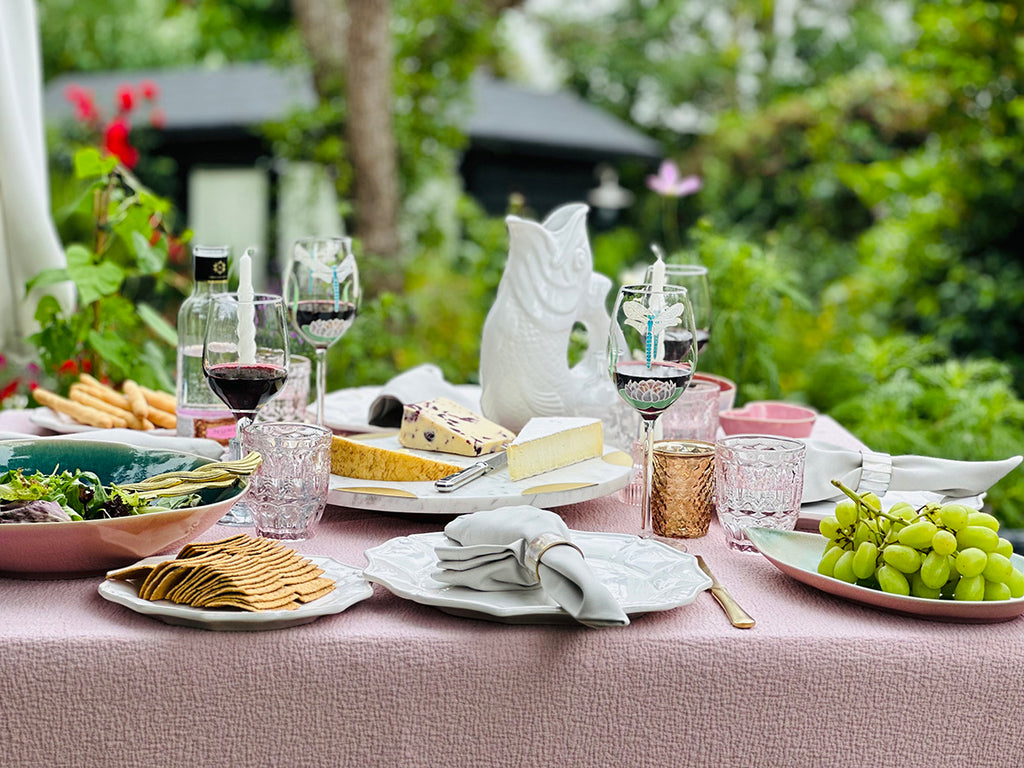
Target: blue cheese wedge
550, 442
445, 426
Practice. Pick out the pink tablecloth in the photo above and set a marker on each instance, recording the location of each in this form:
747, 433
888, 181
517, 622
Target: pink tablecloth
817, 682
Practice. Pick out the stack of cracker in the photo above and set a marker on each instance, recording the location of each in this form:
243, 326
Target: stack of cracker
239, 572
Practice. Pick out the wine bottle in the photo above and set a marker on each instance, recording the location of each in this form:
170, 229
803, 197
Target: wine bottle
200, 412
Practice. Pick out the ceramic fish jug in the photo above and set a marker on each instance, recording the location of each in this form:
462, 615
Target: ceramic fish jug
549, 286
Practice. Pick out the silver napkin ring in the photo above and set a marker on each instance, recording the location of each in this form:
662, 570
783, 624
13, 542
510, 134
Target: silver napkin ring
875, 473
537, 546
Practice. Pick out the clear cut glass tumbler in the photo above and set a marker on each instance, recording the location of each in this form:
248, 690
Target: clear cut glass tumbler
288, 492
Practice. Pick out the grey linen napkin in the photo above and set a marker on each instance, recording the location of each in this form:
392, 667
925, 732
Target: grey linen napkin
864, 471
424, 382
491, 550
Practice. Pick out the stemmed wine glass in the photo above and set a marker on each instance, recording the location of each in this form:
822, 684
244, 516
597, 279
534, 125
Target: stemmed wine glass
651, 368
321, 289
245, 360
694, 278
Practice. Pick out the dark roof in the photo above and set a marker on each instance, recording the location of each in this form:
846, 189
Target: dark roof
506, 112
247, 95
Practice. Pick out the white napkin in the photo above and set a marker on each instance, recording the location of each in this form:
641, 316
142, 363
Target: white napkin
424, 382
491, 552
211, 449
864, 471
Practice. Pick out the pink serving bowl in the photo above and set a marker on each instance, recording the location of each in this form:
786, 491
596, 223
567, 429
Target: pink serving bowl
90, 547
727, 398
769, 417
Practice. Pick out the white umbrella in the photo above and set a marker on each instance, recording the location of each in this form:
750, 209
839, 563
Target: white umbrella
28, 238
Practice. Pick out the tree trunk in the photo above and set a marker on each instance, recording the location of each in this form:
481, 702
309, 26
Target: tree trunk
369, 129
324, 28
352, 53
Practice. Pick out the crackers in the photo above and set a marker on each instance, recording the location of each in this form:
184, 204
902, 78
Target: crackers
95, 404
240, 573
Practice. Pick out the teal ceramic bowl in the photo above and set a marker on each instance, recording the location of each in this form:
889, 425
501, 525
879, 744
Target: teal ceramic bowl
90, 547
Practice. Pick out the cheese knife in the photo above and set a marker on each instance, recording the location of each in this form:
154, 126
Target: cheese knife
472, 472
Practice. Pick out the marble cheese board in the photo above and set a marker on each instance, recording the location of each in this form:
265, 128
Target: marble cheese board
586, 480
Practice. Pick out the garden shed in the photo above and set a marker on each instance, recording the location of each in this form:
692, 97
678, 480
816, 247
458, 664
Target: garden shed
546, 146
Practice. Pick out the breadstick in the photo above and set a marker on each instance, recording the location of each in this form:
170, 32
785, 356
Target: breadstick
97, 388
162, 407
83, 414
136, 400
122, 418
161, 400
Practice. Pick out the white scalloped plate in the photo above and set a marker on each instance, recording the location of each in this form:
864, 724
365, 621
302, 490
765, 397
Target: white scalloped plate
644, 576
796, 554
350, 588
583, 481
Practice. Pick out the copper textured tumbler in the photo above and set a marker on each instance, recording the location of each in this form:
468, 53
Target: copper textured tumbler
683, 488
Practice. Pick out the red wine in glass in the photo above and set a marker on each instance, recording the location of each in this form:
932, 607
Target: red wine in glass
652, 390
245, 388
322, 322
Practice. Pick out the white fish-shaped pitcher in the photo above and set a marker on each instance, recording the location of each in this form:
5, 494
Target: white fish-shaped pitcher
547, 287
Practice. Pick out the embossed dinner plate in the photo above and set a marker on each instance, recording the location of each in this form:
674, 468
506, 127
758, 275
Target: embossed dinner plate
350, 588
644, 576
796, 554
583, 481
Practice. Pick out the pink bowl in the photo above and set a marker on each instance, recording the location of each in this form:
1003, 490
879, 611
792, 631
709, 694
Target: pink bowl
727, 398
88, 547
768, 417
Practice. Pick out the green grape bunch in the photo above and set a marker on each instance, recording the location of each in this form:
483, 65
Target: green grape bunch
940, 551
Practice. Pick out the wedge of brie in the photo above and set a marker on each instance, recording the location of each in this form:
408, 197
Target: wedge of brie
550, 442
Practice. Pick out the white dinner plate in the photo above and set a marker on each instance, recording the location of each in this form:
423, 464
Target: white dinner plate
796, 554
65, 425
350, 588
644, 575
583, 481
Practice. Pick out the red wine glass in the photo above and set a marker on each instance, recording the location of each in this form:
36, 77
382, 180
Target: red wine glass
245, 360
321, 288
694, 278
652, 358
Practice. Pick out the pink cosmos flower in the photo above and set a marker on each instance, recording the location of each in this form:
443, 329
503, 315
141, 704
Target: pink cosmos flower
669, 183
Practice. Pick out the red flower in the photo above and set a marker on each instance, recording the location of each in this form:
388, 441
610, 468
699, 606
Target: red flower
157, 118
115, 141
9, 390
84, 102
125, 98
149, 90
68, 366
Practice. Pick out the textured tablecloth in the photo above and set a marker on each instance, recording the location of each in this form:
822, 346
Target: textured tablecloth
818, 682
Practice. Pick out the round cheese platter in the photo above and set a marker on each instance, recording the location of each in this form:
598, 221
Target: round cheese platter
582, 481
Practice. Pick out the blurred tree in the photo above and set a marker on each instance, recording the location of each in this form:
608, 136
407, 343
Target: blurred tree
362, 69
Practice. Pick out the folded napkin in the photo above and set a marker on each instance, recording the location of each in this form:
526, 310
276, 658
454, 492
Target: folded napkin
211, 449
525, 547
424, 382
864, 471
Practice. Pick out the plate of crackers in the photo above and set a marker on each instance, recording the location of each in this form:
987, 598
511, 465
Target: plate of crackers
92, 404
238, 583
